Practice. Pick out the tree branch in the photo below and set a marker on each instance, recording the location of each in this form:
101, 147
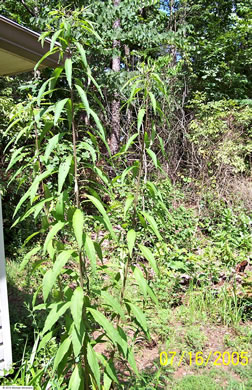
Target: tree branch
27, 8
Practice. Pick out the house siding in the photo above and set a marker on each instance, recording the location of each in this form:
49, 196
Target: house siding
5, 337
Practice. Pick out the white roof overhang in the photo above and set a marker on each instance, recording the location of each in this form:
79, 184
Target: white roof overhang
20, 49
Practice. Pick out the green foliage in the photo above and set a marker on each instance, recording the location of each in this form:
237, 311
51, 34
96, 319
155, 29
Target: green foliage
192, 382
221, 134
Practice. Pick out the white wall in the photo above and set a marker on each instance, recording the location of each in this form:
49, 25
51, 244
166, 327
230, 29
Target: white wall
5, 337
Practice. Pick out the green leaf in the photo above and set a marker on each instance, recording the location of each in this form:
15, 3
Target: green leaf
63, 172
45, 339
16, 156
126, 171
129, 142
90, 148
153, 157
109, 368
90, 251
101, 174
68, 69
140, 117
84, 99
56, 73
49, 53
113, 302
58, 309
52, 143
54, 230
140, 317
33, 186
28, 256
162, 145
60, 206
51, 275
110, 331
107, 382
77, 338
76, 307
54, 38
153, 224
100, 207
132, 362
144, 285
153, 102
58, 110
93, 364
77, 378
128, 203
78, 223
62, 351
42, 90
90, 77
83, 54
131, 238
149, 256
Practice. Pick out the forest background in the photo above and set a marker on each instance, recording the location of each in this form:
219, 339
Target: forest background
128, 171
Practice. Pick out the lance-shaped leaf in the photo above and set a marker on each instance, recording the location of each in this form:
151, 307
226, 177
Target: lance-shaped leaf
77, 378
57, 310
128, 204
58, 110
28, 256
100, 207
78, 223
16, 156
60, 206
54, 38
62, 352
153, 224
146, 290
49, 53
52, 143
76, 307
84, 99
153, 102
83, 54
90, 251
45, 339
52, 274
34, 185
54, 230
113, 303
110, 331
93, 364
42, 90
140, 117
77, 338
63, 172
153, 157
140, 317
131, 239
129, 142
68, 69
149, 256
56, 73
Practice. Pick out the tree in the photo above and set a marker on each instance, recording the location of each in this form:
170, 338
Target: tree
220, 50
115, 106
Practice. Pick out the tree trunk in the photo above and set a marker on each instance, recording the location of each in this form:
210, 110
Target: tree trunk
114, 141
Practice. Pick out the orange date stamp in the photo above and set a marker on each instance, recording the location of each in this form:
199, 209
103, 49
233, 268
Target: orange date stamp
171, 358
